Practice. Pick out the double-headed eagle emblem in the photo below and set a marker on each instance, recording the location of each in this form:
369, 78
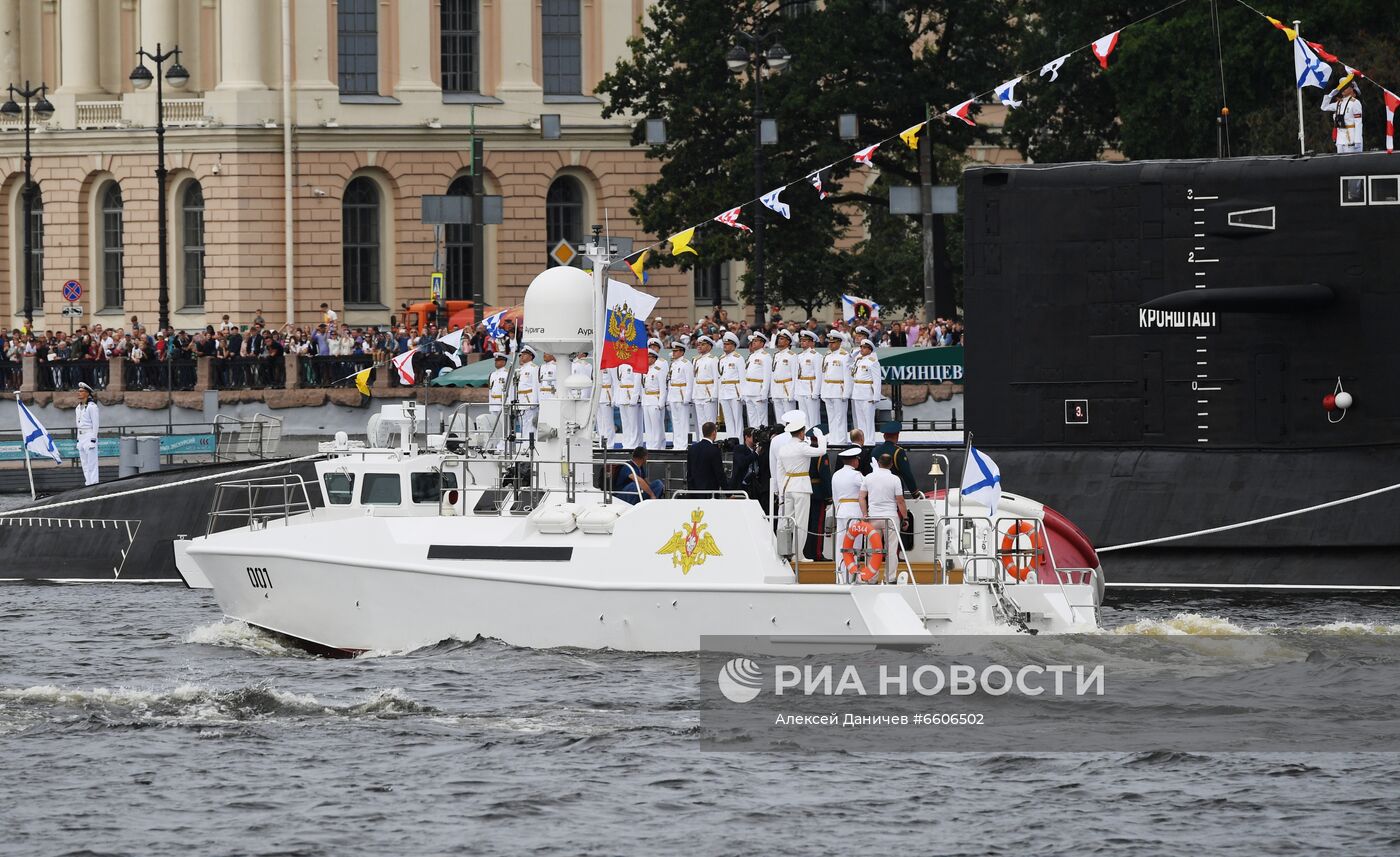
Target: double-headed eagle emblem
691, 545
622, 329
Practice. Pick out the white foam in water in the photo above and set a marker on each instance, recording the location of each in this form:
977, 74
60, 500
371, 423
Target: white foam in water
231, 634
189, 703
1196, 624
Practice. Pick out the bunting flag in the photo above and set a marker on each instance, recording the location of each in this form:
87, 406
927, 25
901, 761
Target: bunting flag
770, 199
1287, 31
1308, 67
729, 218
910, 135
1104, 46
1052, 68
362, 381
865, 155
961, 112
1392, 101
404, 364
680, 242
625, 333
450, 346
1006, 93
1322, 52
493, 324
639, 266
816, 180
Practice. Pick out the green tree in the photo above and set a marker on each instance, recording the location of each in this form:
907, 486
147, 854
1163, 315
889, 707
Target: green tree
884, 61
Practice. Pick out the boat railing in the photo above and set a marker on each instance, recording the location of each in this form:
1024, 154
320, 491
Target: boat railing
686, 493
971, 540
864, 552
256, 503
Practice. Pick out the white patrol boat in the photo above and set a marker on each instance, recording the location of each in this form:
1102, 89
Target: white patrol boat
476, 534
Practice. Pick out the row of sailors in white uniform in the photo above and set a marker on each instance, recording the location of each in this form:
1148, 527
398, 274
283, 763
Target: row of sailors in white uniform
742, 387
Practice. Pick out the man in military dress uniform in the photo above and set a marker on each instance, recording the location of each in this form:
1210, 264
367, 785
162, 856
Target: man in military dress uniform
627, 396
808, 386
758, 376
836, 385
706, 390
731, 375
899, 457
87, 419
680, 386
865, 390
783, 389
527, 390
654, 393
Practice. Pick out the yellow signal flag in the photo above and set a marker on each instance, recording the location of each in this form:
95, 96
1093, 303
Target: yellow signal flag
910, 135
638, 267
1287, 31
680, 242
362, 381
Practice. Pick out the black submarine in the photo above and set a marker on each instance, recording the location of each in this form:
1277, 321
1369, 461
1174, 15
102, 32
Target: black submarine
1197, 361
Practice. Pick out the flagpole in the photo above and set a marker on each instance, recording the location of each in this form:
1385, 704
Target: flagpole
967, 459
29, 467
1302, 136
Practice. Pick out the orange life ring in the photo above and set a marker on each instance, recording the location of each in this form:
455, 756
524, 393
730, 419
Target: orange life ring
853, 569
1009, 553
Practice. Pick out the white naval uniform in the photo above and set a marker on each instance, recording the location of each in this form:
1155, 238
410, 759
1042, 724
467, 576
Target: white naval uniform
627, 397
706, 390
496, 400
775, 484
1348, 118
731, 375
783, 389
527, 396
836, 392
795, 462
754, 388
846, 485
680, 388
549, 375
87, 441
584, 369
654, 404
865, 392
808, 389
607, 427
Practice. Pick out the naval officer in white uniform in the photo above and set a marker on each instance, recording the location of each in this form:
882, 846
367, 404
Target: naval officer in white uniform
87, 433
795, 462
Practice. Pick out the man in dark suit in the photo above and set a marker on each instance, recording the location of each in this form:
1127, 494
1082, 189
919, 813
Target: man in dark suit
704, 464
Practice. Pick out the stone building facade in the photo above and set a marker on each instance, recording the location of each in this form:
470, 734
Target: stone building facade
384, 99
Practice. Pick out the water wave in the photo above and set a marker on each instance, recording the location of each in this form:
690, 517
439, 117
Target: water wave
191, 703
232, 634
1183, 624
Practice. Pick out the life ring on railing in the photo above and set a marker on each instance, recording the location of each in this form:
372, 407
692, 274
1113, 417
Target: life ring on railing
1021, 568
854, 532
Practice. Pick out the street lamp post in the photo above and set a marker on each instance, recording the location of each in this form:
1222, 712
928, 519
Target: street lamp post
43, 111
177, 76
754, 60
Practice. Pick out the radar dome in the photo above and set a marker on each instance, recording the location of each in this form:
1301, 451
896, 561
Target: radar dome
559, 311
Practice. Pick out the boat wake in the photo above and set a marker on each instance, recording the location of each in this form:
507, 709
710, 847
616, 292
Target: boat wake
192, 705
232, 634
1184, 624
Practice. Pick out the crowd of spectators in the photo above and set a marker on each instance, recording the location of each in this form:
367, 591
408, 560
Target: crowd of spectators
250, 354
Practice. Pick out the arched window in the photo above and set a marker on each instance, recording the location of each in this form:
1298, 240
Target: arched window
192, 243
113, 251
458, 239
563, 210
359, 212
34, 285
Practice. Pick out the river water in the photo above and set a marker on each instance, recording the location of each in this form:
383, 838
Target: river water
134, 720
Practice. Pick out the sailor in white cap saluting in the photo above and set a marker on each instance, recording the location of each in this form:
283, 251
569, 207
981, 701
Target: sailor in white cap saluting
758, 376
865, 391
654, 397
706, 395
680, 386
808, 385
87, 433
731, 373
846, 487
795, 464
836, 385
527, 390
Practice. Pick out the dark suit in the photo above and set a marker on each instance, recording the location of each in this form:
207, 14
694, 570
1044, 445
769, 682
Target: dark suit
704, 466
743, 458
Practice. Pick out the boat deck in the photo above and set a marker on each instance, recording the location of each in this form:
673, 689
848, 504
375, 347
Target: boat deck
925, 573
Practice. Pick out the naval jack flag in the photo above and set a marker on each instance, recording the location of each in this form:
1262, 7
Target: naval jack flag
981, 482
36, 438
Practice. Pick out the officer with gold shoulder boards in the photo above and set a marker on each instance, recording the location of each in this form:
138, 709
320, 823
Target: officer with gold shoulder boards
758, 377
654, 397
783, 389
808, 387
836, 385
527, 390
706, 395
865, 391
731, 375
680, 388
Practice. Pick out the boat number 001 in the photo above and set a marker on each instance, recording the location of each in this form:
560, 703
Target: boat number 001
259, 578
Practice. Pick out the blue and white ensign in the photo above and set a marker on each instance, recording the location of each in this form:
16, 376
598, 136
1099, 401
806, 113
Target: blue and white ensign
981, 482
72, 290
36, 437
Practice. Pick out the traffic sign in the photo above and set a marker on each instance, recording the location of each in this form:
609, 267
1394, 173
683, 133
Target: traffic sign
563, 252
72, 290
72, 310
437, 285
